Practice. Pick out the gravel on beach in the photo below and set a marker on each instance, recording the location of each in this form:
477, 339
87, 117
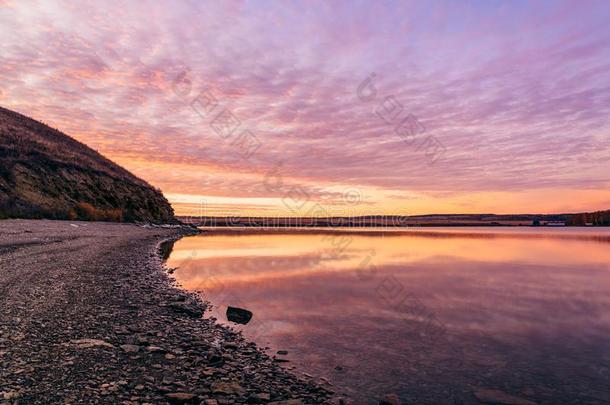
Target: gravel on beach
88, 315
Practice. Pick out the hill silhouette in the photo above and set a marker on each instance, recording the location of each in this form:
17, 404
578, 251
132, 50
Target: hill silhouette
44, 173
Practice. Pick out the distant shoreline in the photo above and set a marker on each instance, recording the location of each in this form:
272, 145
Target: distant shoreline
394, 221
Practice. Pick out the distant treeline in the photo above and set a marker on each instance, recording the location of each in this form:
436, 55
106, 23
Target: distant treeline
296, 222
599, 218
581, 219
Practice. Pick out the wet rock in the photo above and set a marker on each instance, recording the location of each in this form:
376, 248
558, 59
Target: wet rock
500, 397
238, 315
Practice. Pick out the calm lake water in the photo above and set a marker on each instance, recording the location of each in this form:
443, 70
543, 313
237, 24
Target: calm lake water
432, 315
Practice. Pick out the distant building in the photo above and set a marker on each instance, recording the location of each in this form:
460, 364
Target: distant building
537, 222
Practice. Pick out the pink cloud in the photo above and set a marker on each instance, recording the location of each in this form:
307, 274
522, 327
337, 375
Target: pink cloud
518, 96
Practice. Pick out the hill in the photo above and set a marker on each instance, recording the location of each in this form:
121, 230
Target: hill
47, 174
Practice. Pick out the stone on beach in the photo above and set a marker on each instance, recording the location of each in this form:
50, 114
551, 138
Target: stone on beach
259, 398
87, 343
189, 309
238, 315
228, 388
130, 348
155, 349
10, 395
179, 397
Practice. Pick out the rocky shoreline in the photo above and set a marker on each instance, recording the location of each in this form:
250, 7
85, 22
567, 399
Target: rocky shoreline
88, 315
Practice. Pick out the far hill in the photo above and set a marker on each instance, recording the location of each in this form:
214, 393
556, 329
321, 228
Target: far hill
47, 174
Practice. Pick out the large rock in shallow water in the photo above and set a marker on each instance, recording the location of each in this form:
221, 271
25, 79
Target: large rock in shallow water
238, 315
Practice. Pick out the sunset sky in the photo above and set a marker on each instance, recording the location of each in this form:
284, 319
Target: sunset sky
263, 108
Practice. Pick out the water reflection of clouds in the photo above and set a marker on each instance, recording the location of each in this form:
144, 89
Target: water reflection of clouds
280, 254
507, 303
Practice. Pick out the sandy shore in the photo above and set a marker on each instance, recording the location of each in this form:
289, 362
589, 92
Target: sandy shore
87, 315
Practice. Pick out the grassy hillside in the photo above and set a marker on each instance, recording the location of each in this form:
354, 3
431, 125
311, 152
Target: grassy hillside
46, 174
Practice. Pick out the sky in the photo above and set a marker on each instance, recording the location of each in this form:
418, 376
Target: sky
327, 107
